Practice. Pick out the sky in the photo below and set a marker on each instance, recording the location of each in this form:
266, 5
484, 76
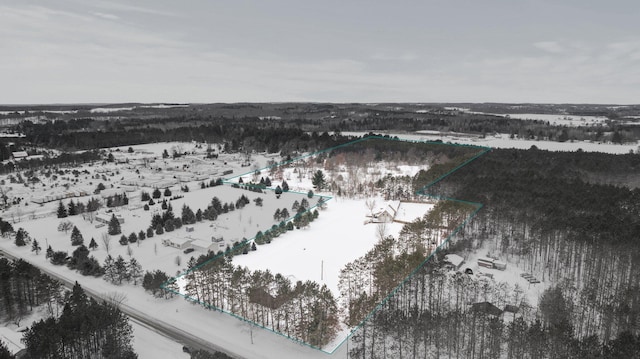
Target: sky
204, 51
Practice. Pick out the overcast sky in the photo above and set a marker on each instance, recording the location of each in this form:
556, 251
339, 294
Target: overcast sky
552, 51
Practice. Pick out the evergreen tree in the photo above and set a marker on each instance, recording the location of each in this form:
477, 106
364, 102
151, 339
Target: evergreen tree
199, 215
114, 226
141, 236
35, 246
133, 237
167, 192
188, 217
76, 237
156, 194
72, 208
109, 269
318, 180
285, 186
159, 229
168, 226
21, 237
121, 269
49, 253
150, 232
304, 204
278, 191
310, 194
134, 271
93, 245
4, 352
123, 240
62, 210
93, 205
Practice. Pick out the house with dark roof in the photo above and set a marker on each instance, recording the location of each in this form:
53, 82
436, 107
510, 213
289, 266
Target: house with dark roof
486, 308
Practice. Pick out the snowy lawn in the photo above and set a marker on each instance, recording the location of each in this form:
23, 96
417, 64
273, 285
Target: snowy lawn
319, 252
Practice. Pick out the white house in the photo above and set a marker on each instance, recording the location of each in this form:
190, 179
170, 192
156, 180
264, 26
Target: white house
205, 246
387, 213
177, 242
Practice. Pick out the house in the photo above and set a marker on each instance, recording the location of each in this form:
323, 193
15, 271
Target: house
19, 154
387, 213
204, 245
486, 308
454, 260
509, 308
176, 242
105, 193
13, 340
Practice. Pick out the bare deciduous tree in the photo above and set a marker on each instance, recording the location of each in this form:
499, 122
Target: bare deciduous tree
106, 241
371, 204
65, 226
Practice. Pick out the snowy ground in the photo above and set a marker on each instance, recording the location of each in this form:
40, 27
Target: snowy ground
336, 238
553, 119
150, 345
218, 328
511, 275
503, 141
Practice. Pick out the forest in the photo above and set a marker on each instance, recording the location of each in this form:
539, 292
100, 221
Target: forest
553, 214
75, 326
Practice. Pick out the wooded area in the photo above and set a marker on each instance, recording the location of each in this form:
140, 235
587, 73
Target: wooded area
555, 216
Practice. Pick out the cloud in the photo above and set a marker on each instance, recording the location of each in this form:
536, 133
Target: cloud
549, 46
105, 16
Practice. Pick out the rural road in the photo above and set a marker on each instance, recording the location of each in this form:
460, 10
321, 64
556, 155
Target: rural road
159, 326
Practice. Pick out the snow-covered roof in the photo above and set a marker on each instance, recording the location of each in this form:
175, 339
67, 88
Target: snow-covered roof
201, 243
454, 259
11, 339
179, 240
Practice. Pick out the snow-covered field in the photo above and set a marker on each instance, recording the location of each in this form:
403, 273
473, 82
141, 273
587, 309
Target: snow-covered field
553, 119
559, 120
319, 252
503, 141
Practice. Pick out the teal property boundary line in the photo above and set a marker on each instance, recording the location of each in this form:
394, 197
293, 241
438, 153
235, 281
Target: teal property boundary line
420, 192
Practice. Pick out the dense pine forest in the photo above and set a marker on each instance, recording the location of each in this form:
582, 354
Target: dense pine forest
571, 218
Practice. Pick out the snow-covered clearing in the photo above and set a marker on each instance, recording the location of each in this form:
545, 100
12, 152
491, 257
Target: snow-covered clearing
512, 275
319, 252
